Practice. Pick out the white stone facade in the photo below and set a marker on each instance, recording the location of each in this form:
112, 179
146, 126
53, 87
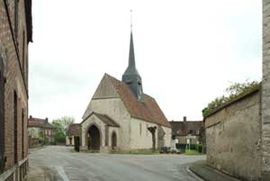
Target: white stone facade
131, 133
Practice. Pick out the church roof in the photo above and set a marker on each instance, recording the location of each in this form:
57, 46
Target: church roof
147, 110
104, 118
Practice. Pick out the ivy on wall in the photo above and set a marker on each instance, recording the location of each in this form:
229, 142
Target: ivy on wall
232, 93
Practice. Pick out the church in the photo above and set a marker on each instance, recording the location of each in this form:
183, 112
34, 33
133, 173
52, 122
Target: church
120, 116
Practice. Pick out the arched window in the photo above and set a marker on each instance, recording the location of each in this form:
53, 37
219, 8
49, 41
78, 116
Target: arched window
114, 141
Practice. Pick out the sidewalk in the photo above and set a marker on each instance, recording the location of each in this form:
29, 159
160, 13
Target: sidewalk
40, 174
209, 174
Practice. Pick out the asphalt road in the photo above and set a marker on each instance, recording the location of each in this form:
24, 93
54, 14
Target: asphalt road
66, 165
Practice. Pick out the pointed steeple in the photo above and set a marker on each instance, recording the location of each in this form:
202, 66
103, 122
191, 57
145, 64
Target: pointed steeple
131, 60
131, 76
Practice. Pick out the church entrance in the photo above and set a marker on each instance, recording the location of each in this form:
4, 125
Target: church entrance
93, 138
114, 141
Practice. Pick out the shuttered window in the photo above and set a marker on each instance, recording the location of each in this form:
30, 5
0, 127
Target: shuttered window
23, 129
15, 135
2, 123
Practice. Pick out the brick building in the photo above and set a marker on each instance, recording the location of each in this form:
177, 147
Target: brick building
40, 131
187, 131
74, 130
15, 34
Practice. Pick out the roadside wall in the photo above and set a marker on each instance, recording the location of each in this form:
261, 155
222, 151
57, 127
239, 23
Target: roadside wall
233, 138
266, 92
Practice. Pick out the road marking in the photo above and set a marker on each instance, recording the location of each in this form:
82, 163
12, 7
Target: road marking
62, 173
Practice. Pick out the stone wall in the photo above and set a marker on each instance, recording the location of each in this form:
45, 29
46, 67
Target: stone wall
14, 52
168, 136
141, 138
233, 138
116, 110
93, 120
266, 91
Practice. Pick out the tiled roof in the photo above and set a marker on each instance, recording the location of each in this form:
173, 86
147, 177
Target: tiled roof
147, 110
74, 130
107, 120
104, 118
183, 128
38, 123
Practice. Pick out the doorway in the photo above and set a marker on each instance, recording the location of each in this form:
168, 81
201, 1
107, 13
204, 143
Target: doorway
93, 138
114, 141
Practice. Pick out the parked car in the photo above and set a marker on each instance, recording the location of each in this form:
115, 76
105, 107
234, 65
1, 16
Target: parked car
165, 149
175, 150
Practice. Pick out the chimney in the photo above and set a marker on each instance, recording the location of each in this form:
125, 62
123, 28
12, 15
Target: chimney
185, 119
46, 120
30, 116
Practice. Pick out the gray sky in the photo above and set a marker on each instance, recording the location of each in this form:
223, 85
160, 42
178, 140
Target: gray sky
187, 52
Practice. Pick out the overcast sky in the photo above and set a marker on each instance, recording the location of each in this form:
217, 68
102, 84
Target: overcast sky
187, 52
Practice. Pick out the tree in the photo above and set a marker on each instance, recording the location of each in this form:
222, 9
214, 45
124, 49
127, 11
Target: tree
60, 127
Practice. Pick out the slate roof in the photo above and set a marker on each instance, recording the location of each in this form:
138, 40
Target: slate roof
74, 130
183, 128
38, 123
147, 110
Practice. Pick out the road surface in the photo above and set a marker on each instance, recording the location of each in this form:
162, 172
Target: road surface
66, 165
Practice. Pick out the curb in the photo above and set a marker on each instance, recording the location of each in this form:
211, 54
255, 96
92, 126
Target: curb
206, 173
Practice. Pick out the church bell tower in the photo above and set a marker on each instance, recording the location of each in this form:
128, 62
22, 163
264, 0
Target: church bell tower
131, 76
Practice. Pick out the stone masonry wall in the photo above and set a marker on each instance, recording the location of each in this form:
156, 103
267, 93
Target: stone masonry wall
233, 138
115, 109
266, 92
15, 72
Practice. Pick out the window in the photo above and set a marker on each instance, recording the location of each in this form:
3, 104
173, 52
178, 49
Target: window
16, 19
23, 54
23, 133
2, 115
140, 128
15, 135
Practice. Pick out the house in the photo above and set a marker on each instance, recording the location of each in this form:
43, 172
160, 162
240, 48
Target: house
187, 131
74, 130
15, 35
120, 116
238, 132
40, 131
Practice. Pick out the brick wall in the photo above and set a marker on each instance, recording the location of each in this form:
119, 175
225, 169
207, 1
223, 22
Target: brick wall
14, 52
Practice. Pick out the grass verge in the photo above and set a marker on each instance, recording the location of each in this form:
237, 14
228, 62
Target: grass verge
192, 152
136, 152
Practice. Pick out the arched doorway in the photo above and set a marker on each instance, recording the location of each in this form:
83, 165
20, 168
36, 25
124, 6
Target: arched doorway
93, 138
114, 141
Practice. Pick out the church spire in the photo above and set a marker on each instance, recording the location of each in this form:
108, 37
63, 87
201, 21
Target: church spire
131, 76
131, 59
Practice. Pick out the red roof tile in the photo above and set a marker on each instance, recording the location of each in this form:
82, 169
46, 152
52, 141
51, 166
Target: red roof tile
38, 123
183, 128
147, 110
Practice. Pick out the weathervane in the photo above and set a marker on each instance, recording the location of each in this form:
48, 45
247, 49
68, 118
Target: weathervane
131, 19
